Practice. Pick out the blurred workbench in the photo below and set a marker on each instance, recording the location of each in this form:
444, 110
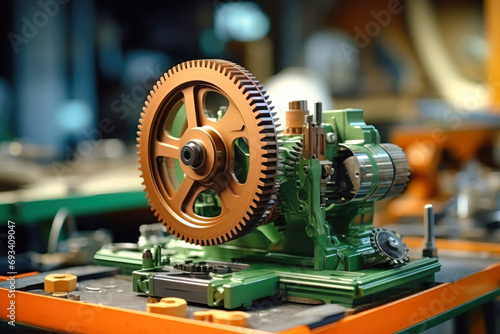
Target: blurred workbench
106, 187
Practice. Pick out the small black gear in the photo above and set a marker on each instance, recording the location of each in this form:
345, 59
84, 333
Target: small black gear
389, 246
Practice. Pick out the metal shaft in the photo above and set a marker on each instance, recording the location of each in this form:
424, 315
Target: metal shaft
429, 238
318, 113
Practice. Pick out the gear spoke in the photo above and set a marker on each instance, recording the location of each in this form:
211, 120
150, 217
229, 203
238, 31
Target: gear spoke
184, 192
189, 201
194, 109
226, 194
167, 148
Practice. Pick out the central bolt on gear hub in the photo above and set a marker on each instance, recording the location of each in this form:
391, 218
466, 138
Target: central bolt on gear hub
185, 149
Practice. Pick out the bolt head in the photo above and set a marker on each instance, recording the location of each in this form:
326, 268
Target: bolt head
192, 154
393, 242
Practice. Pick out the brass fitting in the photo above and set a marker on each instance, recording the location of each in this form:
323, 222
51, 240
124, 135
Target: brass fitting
59, 283
294, 117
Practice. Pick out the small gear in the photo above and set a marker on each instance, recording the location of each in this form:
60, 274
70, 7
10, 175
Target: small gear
389, 247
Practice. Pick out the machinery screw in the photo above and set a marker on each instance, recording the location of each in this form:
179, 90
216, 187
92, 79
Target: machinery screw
393, 242
306, 169
192, 154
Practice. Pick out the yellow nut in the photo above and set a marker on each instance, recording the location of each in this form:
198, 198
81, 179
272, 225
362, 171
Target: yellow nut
59, 283
234, 318
169, 306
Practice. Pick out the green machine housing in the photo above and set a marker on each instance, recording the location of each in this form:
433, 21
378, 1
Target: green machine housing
319, 244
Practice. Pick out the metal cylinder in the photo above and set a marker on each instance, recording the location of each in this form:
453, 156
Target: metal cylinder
401, 169
429, 239
297, 105
318, 113
370, 172
294, 117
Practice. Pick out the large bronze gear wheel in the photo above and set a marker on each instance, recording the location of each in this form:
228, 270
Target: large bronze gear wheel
204, 151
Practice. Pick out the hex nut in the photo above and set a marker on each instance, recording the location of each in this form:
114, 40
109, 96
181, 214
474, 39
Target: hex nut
59, 283
169, 306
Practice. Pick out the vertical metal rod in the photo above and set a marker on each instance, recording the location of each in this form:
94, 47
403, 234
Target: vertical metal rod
157, 255
318, 113
429, 238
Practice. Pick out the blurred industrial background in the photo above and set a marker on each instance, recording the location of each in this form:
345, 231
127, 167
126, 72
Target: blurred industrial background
74, 76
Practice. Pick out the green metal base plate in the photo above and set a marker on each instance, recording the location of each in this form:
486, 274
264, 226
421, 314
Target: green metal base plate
258, 280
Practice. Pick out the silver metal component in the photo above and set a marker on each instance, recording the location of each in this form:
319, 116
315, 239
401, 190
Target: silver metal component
318, 113
366, 184
73, 296
308, 119
331, 138
401, 169
297, 105
429, 238
393, 243
193, 154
